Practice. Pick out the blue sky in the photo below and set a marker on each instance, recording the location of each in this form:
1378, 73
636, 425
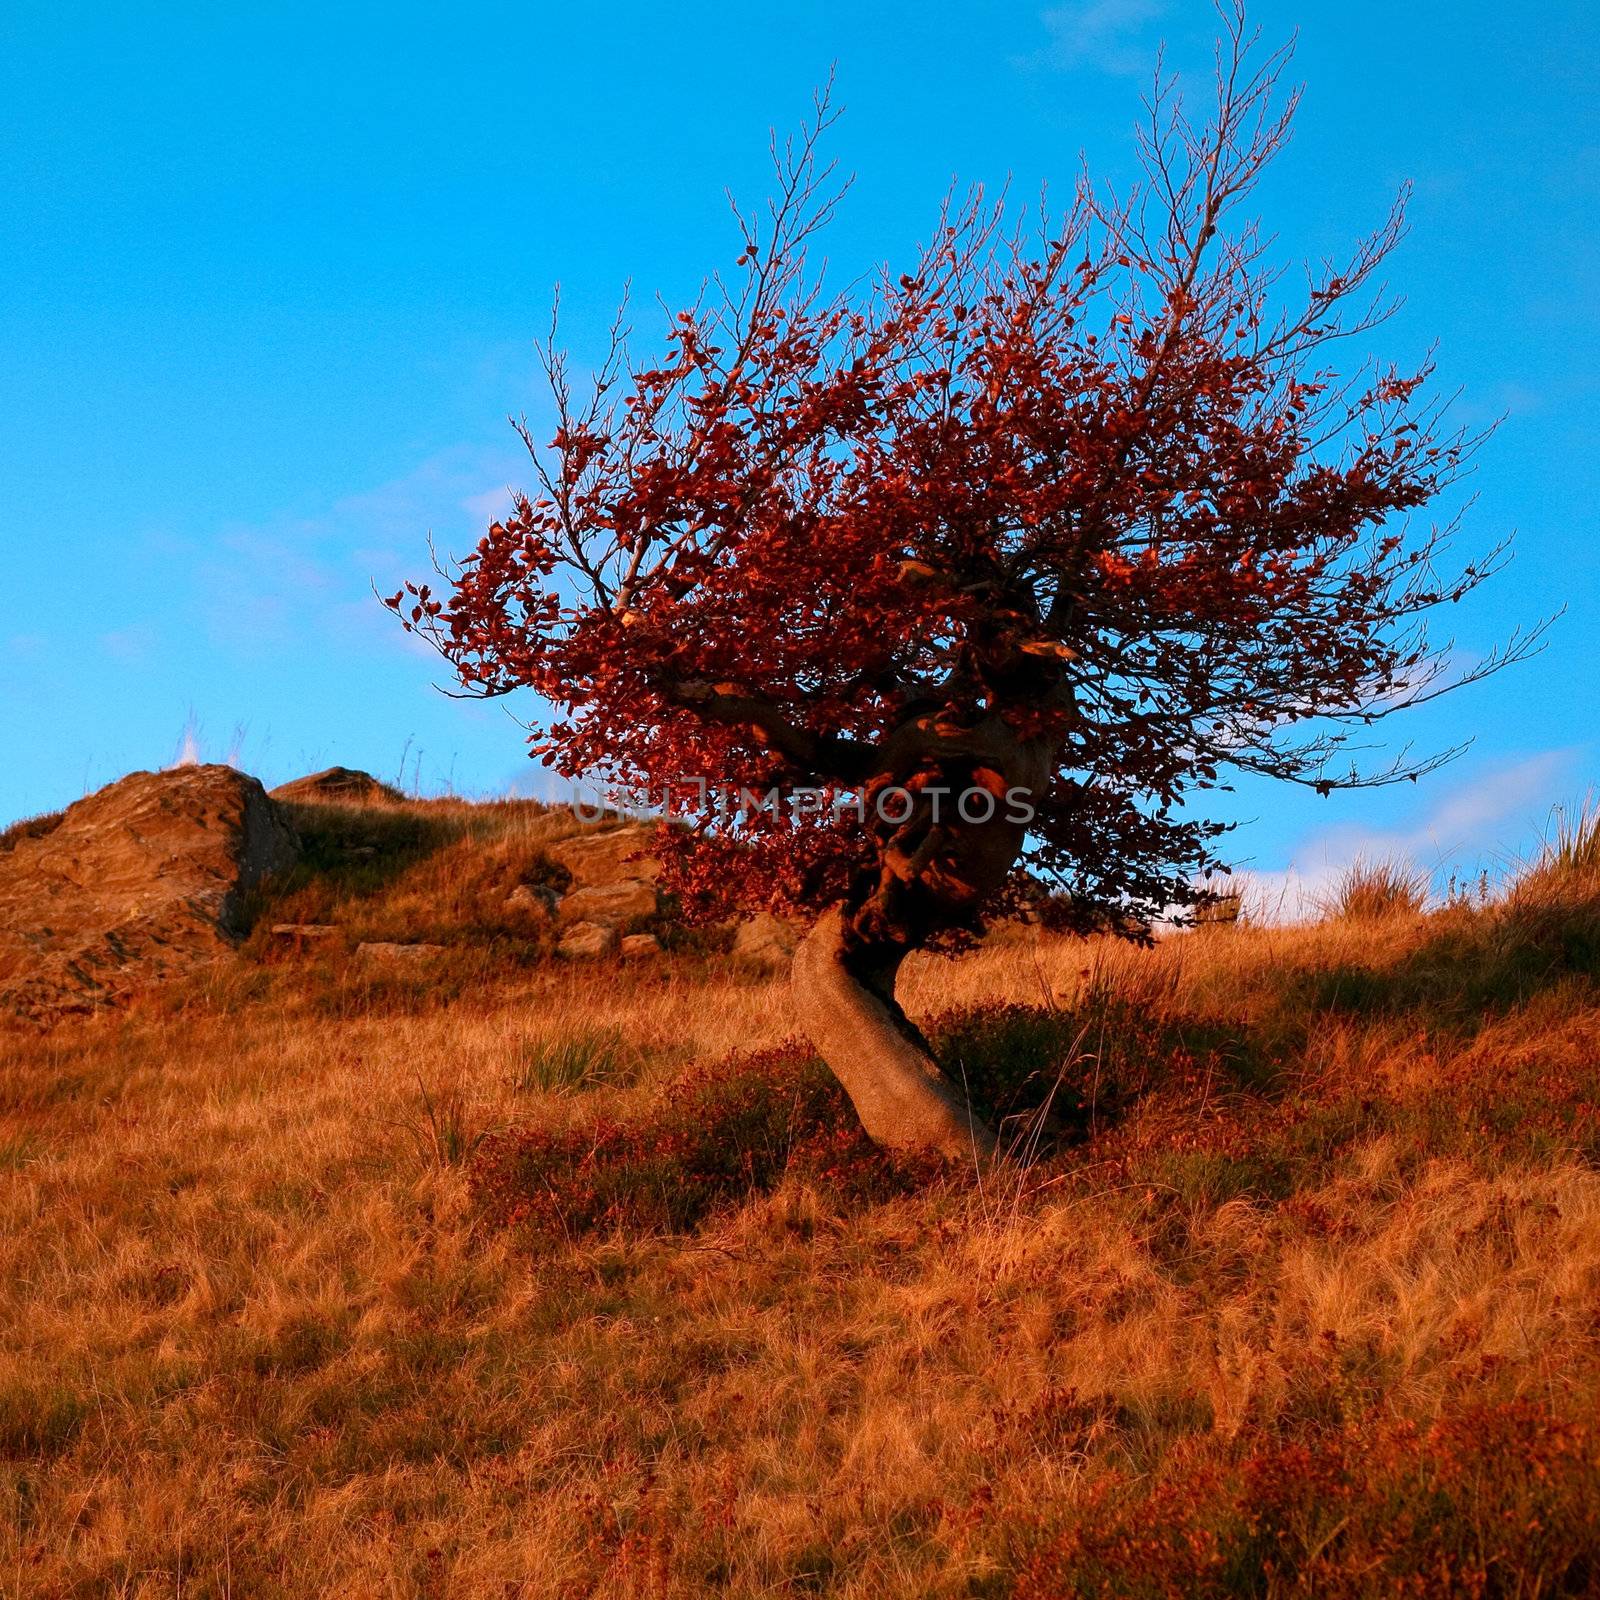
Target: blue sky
269, 279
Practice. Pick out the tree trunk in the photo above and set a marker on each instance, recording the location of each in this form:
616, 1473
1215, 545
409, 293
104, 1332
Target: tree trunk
935, 870
847, 1006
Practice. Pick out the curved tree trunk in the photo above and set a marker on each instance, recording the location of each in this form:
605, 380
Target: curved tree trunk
934, 872
847, 1006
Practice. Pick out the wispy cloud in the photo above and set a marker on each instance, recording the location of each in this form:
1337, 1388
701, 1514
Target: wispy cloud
1486, 819
292, 581
1101, 35
25, 647
490, 504
130, 645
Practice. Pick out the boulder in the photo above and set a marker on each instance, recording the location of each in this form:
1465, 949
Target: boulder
587, 940
640, 946
347, 786
531, 900
381, 952
144, 881
607, 855
612, 903
765, 941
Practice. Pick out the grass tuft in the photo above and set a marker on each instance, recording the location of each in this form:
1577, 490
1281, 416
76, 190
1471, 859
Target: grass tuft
1368, 891
442, 1128
1572, 848
588, 1059
26, 828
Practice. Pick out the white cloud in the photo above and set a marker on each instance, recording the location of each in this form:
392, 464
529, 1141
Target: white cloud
487, 506
1482, 823
131, 645
306, 582
1104, 35
534, 782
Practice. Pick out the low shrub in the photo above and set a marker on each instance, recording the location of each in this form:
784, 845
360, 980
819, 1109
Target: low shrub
1085, 1064
1490, 1500
714, 1137
1012, 1059
26, 828
721, 1134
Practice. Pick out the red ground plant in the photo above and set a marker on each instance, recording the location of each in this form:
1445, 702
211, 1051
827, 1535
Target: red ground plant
990, 562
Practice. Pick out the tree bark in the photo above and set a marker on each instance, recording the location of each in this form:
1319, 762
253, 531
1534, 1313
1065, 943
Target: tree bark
847, 1006
934, 872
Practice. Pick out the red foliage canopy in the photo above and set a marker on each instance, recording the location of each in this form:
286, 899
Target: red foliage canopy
1090, 477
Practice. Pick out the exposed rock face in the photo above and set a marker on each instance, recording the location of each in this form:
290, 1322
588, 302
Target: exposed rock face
613, 903
612, 885
765, 941
639, 946
384, 953
337, 785
531, 900
602, 857
141, 882
587, 940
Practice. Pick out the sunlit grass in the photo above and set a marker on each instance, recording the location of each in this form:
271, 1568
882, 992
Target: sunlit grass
1368, 890
1318, 1197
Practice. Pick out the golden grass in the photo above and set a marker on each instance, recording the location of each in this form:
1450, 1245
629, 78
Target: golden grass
256, 1342
1368, 890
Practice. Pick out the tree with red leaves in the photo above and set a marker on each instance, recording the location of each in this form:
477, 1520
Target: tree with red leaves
881, 595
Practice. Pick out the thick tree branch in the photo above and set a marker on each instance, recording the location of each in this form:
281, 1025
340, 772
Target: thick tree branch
811, 754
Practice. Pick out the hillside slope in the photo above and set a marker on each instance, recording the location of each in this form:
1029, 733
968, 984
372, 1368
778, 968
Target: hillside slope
1305, 1297
162, 874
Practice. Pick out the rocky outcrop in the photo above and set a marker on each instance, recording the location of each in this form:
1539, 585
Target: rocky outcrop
602, 856
613, 883
142, 882
613, 903
338, 786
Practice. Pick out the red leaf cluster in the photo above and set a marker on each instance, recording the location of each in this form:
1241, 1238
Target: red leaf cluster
1094, 475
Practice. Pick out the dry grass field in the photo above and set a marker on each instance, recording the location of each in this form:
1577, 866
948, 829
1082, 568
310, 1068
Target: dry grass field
456, 1281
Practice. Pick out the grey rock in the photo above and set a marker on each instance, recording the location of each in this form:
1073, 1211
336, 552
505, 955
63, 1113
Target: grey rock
607, 855
531, 900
